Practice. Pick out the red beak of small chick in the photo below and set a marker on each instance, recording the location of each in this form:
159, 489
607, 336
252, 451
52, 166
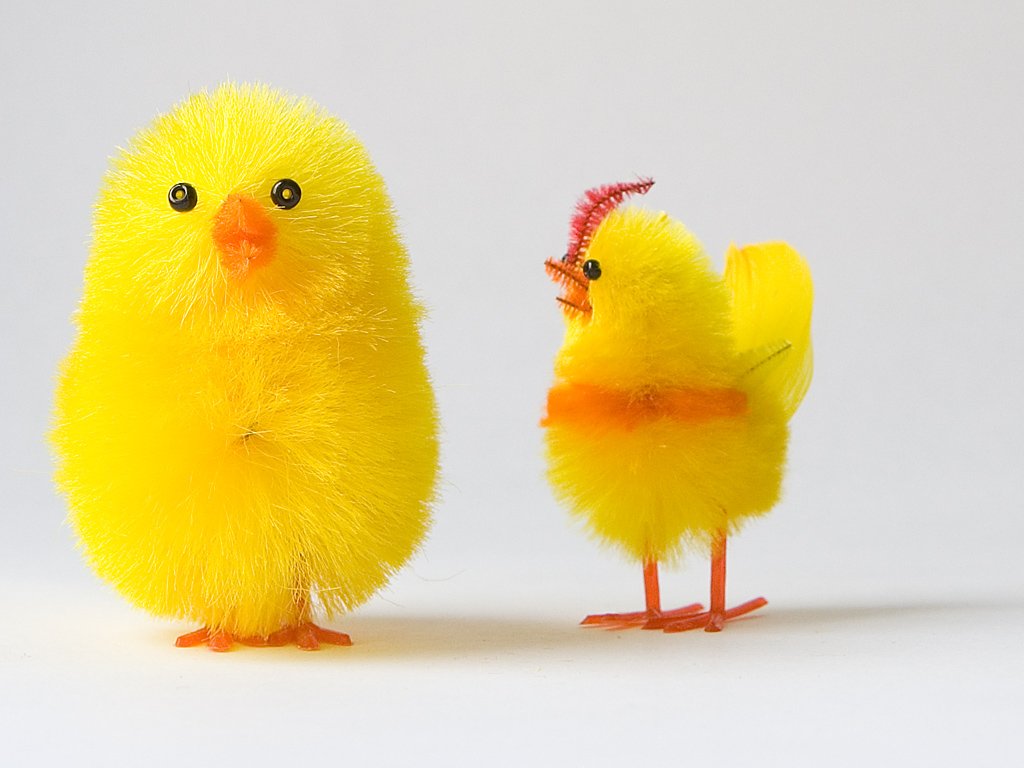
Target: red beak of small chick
245, 236
575, 298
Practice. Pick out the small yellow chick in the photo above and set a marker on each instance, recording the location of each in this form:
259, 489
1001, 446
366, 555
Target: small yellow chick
244, 428
667, 422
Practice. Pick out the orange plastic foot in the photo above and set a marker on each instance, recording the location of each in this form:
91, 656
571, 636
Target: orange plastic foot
714, 621
649, 619
307, 636
191, 639
216, 641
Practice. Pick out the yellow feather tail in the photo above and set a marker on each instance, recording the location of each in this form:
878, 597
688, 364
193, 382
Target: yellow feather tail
773, 296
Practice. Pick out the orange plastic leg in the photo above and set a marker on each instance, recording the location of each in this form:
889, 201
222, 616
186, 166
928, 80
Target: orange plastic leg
713, 620
307, 636
650, 618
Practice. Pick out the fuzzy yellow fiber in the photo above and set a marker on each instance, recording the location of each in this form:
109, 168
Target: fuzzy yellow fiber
229, 446
665, 327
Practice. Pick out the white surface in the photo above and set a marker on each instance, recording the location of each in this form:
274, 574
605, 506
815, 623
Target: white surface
882, 140
454, 681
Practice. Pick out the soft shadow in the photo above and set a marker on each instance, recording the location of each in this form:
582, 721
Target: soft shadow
438, 636
481, 637
828, 617
463, 636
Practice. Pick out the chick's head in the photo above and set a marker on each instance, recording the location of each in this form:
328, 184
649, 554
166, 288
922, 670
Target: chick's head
643, 307
239, 197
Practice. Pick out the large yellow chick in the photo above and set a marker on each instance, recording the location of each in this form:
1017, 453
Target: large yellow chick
245, 429
667, 422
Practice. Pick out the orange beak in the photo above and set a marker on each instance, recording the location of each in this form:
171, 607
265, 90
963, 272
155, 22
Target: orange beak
244, 235
575, 298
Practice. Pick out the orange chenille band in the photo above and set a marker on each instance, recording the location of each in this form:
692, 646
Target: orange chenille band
585, 404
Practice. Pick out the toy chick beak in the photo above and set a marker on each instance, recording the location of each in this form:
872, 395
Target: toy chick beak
575, 298
245, 236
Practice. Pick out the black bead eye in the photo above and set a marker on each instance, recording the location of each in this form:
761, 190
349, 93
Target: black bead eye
182, 197
286, 194
592, 269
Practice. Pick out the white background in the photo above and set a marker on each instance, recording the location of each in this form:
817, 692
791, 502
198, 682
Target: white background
883, 140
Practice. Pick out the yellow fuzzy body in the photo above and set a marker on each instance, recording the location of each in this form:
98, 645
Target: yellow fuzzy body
662, 320
228, 447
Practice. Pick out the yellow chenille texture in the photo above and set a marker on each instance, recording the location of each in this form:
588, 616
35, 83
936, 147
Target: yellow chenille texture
663, 319
773, 294
227, 447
